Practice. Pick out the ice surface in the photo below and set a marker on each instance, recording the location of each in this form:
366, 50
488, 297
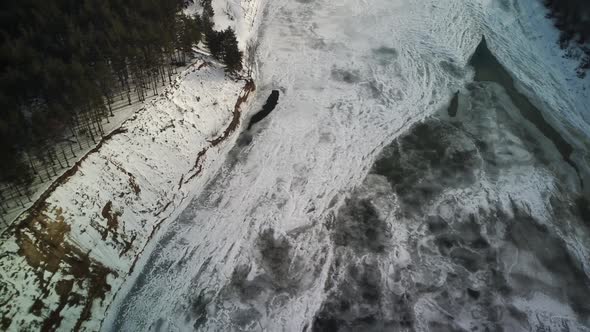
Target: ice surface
256, 249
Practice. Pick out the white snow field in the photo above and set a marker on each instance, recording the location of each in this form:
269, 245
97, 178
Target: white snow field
255, 250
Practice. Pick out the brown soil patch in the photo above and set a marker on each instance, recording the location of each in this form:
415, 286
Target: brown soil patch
198, 164
39, 205
128, 245
112, 220
43, 242
134, 184
248, 88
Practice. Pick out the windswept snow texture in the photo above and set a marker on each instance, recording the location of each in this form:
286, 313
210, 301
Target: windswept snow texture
361, 205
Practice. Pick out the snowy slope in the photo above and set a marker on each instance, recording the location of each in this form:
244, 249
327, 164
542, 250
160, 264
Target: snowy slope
64, 263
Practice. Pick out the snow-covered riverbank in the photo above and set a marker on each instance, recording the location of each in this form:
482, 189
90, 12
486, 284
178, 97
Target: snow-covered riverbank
63, 263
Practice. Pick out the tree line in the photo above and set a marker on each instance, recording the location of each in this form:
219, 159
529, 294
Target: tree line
64, 62
572, 18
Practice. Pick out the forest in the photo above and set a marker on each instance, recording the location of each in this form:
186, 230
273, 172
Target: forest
572, 18
64, 62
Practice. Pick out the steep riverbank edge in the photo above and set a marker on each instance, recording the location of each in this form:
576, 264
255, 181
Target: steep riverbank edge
543, 72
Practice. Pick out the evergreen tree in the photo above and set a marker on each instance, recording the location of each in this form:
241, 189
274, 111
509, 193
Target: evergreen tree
190, 33
215, 43
232, 56
207, 9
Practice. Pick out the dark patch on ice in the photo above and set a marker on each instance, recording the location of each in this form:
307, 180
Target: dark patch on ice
275, 253
474, 294
454, 106
452, 68
529, 235
470, 260
244, 288
276, 280
275, 259
373, 87
444, 326
305, 327
318, 43
436, 224
333, 202
505, 5
199, 309
421, 163
359, 227
268, 107
245, 317
583, 206
390, 51
345, 76
244, 140
356, 303
246, 292
385, 55
158, 325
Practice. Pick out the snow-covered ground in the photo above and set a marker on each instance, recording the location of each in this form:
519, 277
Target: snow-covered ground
254, 251
62, 265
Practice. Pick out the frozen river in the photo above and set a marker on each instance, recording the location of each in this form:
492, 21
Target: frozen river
371, 199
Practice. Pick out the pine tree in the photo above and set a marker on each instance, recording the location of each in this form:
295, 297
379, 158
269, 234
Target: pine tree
207, 9
232, 56
215, 43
